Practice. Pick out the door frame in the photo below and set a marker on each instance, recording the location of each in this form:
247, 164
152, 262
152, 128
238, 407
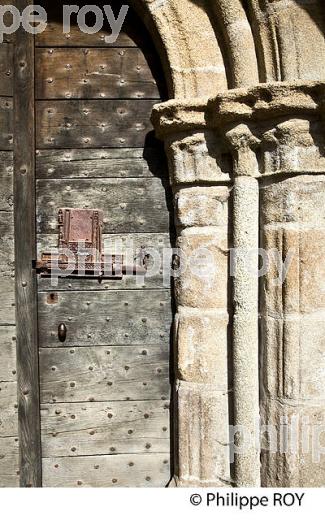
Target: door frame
30, 460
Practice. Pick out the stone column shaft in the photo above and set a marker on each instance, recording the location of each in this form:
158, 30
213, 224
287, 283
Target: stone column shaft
245, 345
245, 330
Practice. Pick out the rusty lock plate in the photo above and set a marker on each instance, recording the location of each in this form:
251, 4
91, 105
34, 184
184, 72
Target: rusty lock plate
84, 226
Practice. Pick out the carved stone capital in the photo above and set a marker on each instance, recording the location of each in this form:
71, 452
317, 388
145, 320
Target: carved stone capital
269, 129
197, 158
293, 146
243, 144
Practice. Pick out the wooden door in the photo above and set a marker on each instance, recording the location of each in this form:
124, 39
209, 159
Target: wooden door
105, 391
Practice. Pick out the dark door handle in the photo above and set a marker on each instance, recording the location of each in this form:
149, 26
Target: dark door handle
62, 332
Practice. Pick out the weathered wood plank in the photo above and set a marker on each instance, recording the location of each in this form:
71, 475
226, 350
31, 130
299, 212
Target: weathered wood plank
6, 181
25, 253
9, 462
8, 409
8, 354
75, 429
133, 31
87, 73
132, 246
6, 123
129, 205
53, 36
7, 284
94, 123
104, 374
106, 318
136, 470
7, 295
6, 69
6, 241
7, 38
88, 163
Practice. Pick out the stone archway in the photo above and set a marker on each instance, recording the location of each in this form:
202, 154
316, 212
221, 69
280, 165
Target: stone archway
268, 134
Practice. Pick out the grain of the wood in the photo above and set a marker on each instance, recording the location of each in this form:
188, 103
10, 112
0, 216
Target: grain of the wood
7, 289
7, 353
6, 241
9, 462
54, 36
129, 205
95, 123
7, 294
93, 163
25, 253
87, 73
155, 246
7, 38
75, 429
6, 70
106, 318
6, 181
134, 470
6, 123
8, 409
116, 374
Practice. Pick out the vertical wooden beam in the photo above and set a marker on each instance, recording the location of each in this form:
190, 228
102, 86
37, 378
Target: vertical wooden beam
25, 253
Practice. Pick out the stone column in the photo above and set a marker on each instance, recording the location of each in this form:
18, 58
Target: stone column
287, 122
245, 345
201, 195
275, 134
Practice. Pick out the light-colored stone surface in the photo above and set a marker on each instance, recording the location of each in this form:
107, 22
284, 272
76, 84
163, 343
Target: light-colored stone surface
298, 435
182, 30
204, 441
298, 200
196, 158
202, 206
202, 346
289, 37
245, 345
292, 327
204, 268
276, 40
